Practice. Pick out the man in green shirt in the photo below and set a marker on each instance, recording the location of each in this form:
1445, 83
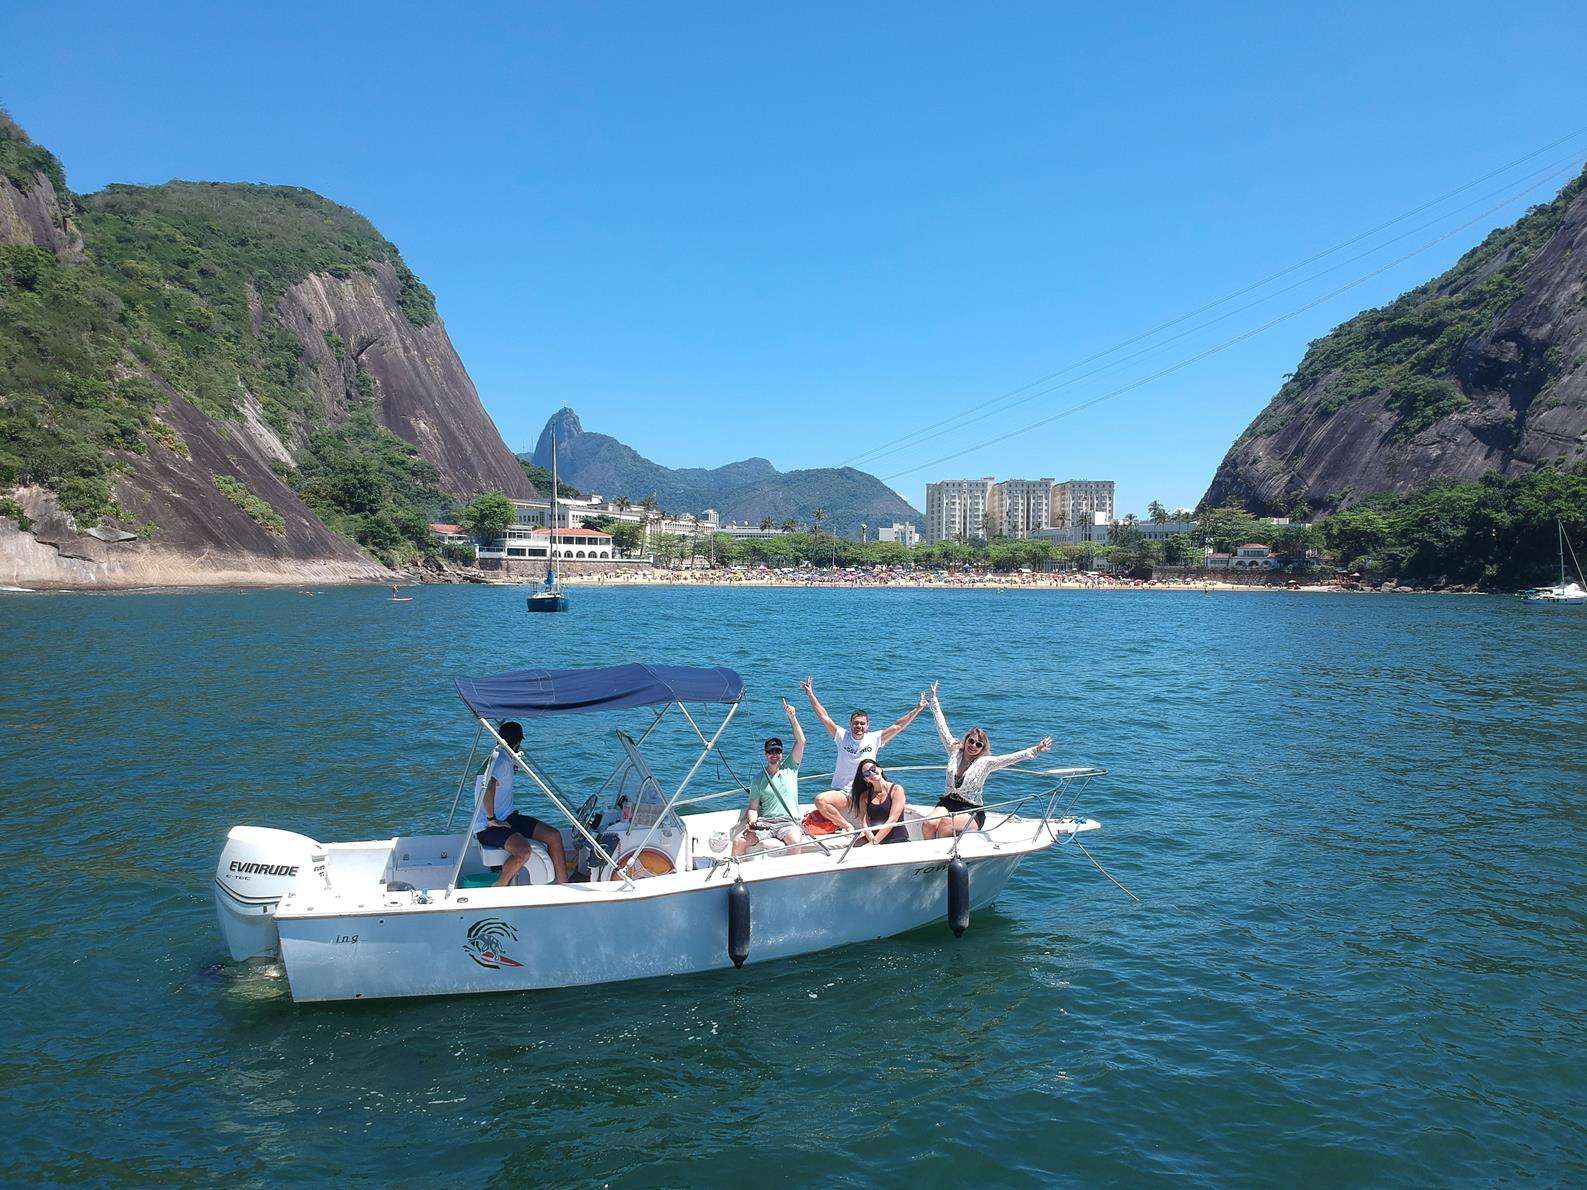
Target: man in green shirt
773, 811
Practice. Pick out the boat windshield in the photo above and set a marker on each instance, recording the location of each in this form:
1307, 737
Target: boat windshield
652, 807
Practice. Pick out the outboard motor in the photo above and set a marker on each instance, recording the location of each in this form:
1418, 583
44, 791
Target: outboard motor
257, 867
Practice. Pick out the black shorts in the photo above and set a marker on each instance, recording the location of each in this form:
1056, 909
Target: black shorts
517, 824
957, 805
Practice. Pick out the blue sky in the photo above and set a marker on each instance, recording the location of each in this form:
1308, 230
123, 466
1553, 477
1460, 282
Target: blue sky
725, 230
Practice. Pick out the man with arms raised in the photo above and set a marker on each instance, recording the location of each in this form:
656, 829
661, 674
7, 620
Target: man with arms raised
855, 743
774, 794
497, 822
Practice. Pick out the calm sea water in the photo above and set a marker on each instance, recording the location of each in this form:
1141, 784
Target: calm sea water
1356, 826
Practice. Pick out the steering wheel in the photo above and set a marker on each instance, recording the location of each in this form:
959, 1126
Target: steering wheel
586, 809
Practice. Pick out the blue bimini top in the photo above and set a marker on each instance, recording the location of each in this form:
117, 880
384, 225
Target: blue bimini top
568, 691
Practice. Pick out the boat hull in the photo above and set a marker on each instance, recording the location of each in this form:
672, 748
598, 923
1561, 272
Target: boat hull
548, 603
601, 934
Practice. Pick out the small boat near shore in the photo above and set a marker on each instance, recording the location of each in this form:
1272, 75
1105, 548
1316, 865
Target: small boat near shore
652, 890
1565, 591
549, 596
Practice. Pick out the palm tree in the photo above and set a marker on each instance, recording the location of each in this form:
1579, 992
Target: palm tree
817, 515
649, 502
765, 524
1157, 512
621, 504
789, 525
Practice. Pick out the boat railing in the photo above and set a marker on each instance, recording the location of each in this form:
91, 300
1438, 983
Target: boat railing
1057, 807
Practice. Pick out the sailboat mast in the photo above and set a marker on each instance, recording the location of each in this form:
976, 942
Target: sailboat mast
551, 546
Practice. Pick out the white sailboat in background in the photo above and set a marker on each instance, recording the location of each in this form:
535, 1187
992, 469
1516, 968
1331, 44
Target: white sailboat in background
549, 597
1563, 591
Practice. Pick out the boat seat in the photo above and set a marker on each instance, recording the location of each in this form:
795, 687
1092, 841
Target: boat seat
494, 857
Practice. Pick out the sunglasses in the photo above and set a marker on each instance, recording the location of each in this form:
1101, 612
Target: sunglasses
976, 744
773, 751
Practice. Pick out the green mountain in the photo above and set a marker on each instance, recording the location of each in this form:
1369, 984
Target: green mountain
746, 492
1481, 371
215, 375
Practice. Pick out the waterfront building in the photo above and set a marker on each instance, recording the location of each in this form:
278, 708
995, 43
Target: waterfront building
577, 513
1163, 530
956, 509
448, 534
1253, 556
748, 532
903, 532
1075, 500
525, 543
1095, 528
1018, 507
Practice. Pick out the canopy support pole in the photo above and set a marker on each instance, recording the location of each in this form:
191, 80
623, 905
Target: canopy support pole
463, 780
689, 776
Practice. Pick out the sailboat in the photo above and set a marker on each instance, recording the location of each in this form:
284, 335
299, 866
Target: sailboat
549, 597
1562, 592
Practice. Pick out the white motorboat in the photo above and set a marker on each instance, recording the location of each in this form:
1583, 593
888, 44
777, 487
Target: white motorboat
653, 891
1563, 591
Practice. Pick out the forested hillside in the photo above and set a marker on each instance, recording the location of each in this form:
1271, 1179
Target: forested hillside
1483, 370
239, 372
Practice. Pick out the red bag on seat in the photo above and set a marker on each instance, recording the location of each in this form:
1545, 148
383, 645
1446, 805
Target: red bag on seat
817, 823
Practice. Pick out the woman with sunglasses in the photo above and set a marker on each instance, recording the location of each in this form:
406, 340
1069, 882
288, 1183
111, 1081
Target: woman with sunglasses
879, 805
970, 763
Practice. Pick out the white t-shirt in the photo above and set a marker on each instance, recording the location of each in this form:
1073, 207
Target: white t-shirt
502, 768
850, 752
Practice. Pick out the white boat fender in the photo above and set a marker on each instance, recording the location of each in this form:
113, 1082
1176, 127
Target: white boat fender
958, 896
738, 922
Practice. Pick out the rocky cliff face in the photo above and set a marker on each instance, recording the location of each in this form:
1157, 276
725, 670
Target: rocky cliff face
1482, 370
746, 491
161, 375
421, 391
32, 213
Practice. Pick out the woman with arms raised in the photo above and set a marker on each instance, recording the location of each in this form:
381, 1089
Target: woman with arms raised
970, 762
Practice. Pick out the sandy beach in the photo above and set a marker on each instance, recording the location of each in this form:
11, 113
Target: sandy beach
1002, 582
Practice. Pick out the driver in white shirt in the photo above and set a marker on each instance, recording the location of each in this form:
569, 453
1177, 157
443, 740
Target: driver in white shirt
497, 822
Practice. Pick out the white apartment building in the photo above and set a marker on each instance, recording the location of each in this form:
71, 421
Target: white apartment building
956, 509
1074, 500
903, 532
1018, 507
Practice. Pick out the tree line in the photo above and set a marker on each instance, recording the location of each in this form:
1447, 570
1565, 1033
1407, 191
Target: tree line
1495, 533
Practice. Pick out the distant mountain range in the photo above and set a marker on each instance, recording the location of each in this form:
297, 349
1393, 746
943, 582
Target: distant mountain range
747, 491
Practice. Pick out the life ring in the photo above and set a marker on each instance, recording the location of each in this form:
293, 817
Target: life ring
645, 862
